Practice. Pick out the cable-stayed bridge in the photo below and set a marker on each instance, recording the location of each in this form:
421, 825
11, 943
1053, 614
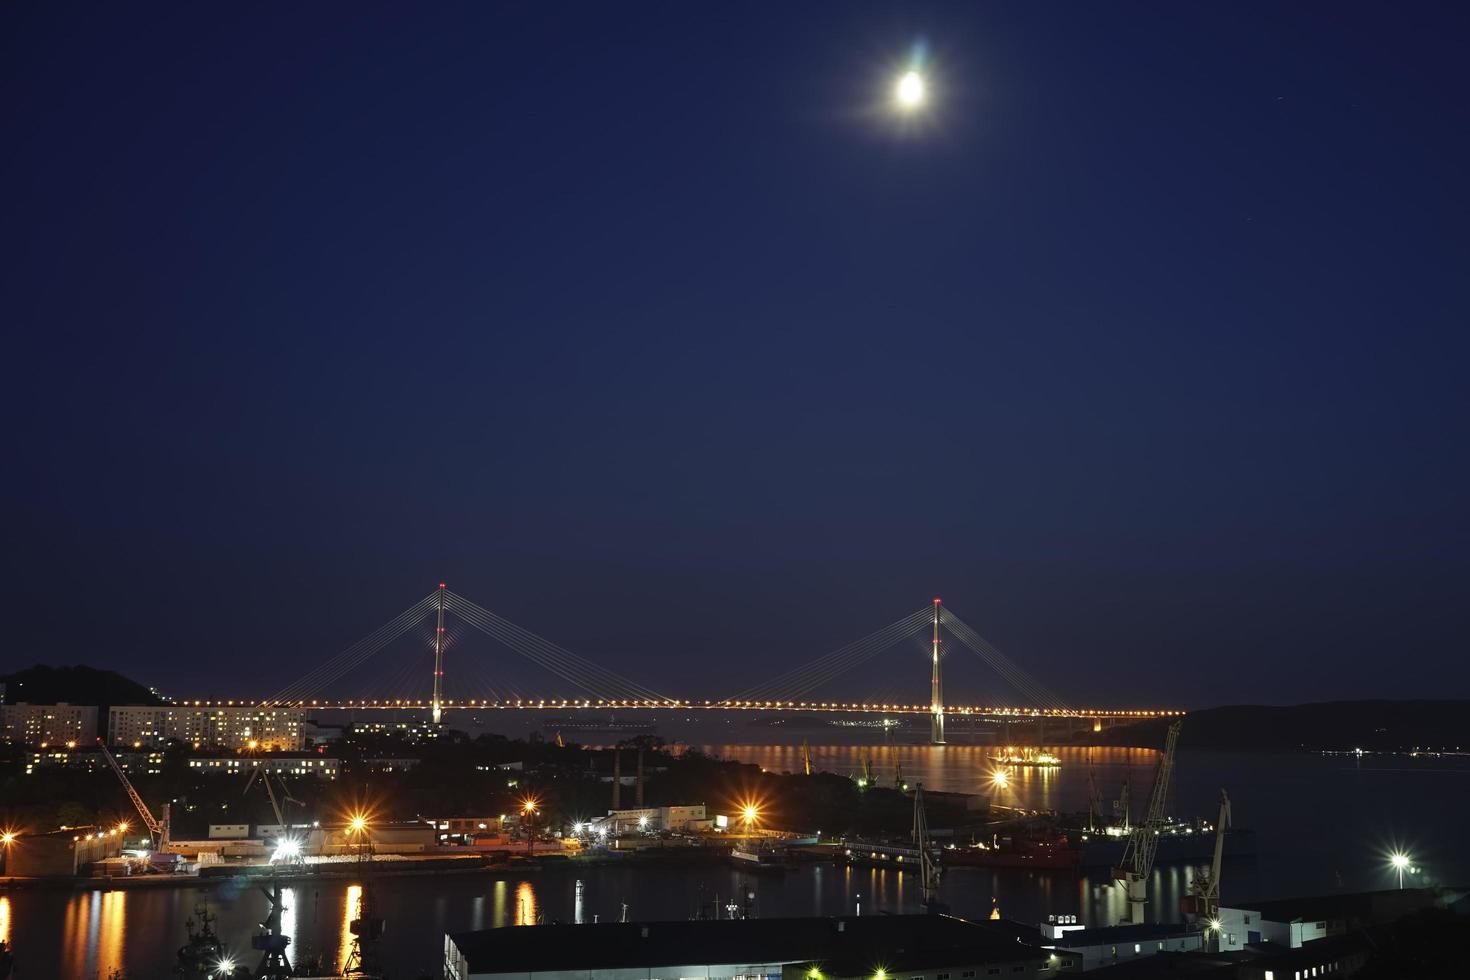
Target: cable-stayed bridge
402, 665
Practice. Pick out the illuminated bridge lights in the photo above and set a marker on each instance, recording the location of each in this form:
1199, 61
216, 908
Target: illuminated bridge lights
706, 704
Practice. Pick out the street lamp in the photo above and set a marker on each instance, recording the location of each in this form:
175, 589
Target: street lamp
1399, 860
529, 807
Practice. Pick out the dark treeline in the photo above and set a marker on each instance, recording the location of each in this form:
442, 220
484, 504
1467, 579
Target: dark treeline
1373, 726
456, 775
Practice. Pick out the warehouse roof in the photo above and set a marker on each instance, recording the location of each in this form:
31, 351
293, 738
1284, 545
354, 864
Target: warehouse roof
861, 943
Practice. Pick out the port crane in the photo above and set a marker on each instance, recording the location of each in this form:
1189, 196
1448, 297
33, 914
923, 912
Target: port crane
1204, 900
157, 830
1094, 798
929, 870
1143, 842
288, 849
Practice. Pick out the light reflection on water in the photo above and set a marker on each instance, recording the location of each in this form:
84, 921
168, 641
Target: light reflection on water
350, 899
497, 910
968, 769
288, 920
1322, 826
525, 904
112, 917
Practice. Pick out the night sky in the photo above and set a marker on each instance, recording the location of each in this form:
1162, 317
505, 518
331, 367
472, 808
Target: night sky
656, 330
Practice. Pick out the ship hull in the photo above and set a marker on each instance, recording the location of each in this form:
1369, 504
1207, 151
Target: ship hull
1104, 852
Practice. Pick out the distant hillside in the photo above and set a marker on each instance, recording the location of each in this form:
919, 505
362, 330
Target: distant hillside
75, 685
1341, 725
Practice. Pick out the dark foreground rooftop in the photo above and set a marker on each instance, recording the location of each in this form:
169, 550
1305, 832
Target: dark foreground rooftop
846, 946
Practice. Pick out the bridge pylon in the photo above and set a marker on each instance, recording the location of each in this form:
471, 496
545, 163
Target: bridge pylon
936, 693
437, 706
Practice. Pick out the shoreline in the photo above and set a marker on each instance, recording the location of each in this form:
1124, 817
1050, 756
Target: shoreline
395, 869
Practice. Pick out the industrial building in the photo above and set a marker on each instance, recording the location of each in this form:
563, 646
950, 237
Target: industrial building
911, 947
1294, 922
1114, 945
680, 818
61, 853
47, 724
207, 726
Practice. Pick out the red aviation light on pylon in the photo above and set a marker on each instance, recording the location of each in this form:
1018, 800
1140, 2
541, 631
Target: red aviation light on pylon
441, 585
936, 600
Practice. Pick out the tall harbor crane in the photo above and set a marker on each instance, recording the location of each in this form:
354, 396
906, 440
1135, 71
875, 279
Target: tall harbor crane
157, 829
929, 870
1204, 900
1094, 798
288, 847
1143, 842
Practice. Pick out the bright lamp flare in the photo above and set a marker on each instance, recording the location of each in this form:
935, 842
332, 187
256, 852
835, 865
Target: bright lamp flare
910, 90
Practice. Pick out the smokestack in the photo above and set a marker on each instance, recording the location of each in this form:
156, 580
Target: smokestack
640, 778
617, 778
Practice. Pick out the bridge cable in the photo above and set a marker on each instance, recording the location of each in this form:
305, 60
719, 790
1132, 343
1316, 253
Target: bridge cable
808, 676
353, 656
1024, 683
591, 677
537, 653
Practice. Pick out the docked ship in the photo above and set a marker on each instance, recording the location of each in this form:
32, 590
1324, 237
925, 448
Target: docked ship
1180, 842
618, 728
1040, 849
1026, 757
202, 954
762, 860
622, 727
888, 854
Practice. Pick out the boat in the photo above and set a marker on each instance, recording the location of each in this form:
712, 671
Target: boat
768, 860
1179, 842
888, 854
202, 954
598, 726
1040, 849
1035, 758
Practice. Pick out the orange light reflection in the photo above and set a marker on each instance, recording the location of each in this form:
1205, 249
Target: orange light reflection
525, 904
349, 912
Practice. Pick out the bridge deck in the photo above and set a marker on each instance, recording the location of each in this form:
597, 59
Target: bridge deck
573, 704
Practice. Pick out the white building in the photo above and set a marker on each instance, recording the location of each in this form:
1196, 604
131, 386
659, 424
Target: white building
1294, 922
292, 764
652, 818
1111, 945
208, 726
47, 724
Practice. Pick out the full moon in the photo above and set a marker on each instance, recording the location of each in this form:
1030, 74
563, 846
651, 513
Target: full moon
910, 90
